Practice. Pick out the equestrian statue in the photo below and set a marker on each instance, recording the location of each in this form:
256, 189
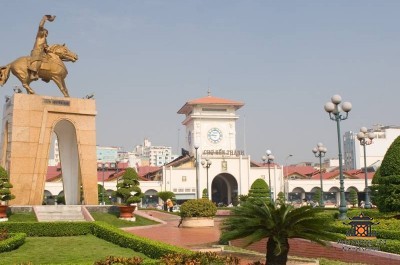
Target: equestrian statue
45, 62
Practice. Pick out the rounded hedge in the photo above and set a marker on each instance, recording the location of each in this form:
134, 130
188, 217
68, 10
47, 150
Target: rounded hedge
391, 162
198, 208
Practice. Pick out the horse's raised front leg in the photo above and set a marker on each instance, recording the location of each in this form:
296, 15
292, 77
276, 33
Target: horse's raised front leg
61, 85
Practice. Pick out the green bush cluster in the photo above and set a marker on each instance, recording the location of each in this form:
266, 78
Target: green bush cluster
120, 260
13, 241
198, 208
199, 258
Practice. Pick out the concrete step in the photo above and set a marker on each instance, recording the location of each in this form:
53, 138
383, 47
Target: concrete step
50, 213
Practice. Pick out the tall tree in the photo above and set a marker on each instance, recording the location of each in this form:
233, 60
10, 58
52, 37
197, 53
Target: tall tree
278, 223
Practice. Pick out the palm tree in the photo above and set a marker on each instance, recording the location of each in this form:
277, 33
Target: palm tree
278, 223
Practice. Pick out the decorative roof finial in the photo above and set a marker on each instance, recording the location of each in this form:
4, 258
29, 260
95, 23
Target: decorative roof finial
209, 92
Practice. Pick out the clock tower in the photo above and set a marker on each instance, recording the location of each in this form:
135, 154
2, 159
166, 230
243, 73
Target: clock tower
210, 123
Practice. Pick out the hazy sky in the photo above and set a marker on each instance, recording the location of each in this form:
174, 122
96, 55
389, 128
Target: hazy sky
284, 59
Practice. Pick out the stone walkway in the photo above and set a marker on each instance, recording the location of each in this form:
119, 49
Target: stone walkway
169, 232
198, 239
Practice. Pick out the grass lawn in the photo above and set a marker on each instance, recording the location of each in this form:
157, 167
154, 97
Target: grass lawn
22, 217
105, 217
64, 250
115, 221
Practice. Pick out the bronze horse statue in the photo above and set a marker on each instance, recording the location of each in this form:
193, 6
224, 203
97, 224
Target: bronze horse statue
52, 68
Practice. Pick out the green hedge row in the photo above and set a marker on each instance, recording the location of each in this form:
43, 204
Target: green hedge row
391, 238
50, 229
148, 247
13, 242
151, 248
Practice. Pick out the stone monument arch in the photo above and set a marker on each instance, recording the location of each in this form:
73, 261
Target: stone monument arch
28, 124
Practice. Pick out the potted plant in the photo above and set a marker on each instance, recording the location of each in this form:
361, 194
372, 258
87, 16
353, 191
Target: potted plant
5, 193
129, 192
197, 213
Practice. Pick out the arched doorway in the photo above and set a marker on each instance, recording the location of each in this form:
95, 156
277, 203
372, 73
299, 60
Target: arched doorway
224, 189
150, 199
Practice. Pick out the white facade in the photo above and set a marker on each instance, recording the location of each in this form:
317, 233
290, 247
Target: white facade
375, 152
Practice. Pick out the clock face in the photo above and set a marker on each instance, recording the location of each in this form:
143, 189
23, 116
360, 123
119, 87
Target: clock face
214, 135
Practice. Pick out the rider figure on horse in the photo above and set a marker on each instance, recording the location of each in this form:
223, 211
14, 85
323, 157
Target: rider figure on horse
39, 48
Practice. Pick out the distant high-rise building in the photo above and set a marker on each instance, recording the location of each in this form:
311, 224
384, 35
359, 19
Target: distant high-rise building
354, 153
154, 155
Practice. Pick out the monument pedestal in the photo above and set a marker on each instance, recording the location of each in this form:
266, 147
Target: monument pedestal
28, 124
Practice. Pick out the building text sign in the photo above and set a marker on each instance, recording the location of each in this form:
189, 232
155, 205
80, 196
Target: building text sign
224, 152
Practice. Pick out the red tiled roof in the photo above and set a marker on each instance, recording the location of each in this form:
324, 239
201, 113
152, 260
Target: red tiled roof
53, 173
209, 100
144, 170
335, 174
302, 170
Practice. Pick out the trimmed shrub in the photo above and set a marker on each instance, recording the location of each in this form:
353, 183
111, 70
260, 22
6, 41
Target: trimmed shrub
353, 197
317, 195
128, 189
386, 190
259, 192
205, 194
50, 229
13, 241
5, 186
198, 208
391, 162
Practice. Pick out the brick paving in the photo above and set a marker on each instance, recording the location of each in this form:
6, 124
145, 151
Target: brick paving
169, 232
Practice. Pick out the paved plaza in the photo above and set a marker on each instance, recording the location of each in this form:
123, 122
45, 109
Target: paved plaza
198, 239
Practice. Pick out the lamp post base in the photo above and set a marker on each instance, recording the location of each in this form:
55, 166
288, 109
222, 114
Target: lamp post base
342, 213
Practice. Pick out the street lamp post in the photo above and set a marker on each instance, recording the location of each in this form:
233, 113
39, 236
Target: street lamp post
117, 169
319, 152
338, 113
269, 158
104, 166
196, 147
365, 138
206, 164
286, 181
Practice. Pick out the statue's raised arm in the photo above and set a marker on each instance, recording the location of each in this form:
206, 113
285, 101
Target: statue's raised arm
39, 48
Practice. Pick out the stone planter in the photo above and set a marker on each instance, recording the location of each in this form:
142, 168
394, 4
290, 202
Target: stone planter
126, 212
197, 222
3, 211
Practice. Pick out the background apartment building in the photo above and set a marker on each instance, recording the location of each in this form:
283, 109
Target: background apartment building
354, 153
